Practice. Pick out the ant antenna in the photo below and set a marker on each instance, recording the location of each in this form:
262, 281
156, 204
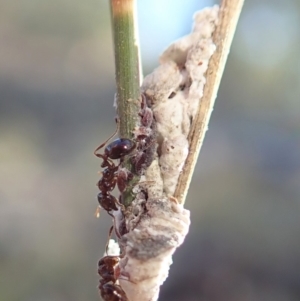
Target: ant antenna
114, 134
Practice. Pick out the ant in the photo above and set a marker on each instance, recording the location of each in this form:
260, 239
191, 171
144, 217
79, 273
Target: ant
112, 175
107, 269
117, 149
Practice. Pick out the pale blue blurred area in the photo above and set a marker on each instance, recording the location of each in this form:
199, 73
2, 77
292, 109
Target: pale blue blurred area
56, 95
168, 21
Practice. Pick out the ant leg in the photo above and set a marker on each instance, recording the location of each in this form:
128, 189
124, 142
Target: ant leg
103, 144
147, 182
118, 234
121, 205
107, 162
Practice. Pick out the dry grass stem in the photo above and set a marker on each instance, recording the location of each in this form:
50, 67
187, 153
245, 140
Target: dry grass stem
223, 35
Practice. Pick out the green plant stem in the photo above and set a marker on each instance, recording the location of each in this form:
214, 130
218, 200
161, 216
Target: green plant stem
127, 75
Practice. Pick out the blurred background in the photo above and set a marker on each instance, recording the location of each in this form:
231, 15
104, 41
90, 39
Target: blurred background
56, 96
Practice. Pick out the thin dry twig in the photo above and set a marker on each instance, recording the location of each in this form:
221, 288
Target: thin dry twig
223, 35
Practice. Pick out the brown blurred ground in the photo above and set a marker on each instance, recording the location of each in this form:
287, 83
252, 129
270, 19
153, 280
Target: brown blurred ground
56, 93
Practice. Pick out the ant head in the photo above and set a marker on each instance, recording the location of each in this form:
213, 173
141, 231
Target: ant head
119, 148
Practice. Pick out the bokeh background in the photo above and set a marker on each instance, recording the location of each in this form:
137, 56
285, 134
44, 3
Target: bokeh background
56, 95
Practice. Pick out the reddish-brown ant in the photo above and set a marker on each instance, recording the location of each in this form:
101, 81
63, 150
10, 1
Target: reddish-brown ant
112, 174
117, 149
107, 269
